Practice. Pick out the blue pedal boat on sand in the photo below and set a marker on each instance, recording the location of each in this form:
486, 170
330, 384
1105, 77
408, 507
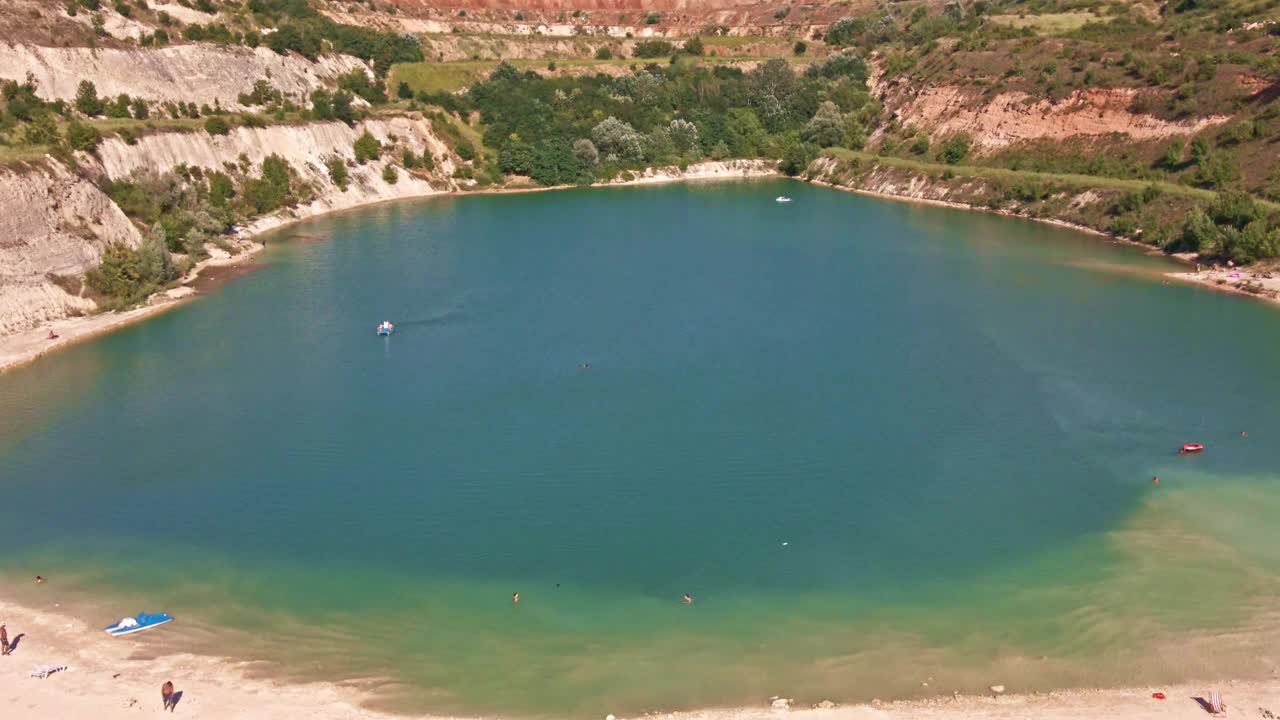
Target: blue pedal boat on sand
143, 621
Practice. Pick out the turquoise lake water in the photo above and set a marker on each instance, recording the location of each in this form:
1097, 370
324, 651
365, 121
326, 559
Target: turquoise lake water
890, 450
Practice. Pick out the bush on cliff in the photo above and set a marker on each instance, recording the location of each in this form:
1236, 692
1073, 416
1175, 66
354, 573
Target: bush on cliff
271, 190
82, 137
338, 172
366, 148
216, 125
126, 277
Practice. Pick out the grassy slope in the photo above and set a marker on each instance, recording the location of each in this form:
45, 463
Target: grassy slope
435, 77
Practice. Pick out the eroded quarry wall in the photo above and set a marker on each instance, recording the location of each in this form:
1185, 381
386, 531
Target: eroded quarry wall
52, 223
1014, 117
199, 73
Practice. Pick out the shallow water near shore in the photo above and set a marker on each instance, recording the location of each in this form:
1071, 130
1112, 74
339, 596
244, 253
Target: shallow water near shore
891, 450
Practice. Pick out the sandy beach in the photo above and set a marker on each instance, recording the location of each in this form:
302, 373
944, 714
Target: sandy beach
1258, 282
116, 678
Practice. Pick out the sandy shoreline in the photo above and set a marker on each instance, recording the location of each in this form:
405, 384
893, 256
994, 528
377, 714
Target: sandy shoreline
1249, 282
116, 678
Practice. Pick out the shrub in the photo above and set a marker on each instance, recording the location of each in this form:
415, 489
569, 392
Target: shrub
338, 172
82, 137
125, 276
653, 49
271, 189
403, 91
800, 48
42, 131
389, 174
215, 125
357, 82
955, 149
693, 46
604, 53
367, 148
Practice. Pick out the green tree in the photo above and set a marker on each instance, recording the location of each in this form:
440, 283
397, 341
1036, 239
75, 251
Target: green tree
221, 189
684, 136
342, 108
615, 137
357, 82
1172, 154
1235, 209
367, 148
796, 156
389, 174
800, 48
322, 105
604, 53
139, 109
827, 126
119, 108
585, 152
744, 133
693, 46
87, 100
403, 91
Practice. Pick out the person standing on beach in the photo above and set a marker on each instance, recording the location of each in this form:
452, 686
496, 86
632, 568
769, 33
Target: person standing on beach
166, 694
4, 640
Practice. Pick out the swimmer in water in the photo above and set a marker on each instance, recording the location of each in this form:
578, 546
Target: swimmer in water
1155, 481
515, 598
39, 579
1244, 434
687, 599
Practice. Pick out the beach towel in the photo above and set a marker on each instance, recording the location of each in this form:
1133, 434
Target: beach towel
44, 671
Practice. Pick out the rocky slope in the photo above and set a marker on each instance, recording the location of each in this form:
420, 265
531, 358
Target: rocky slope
54, 223
1013, 117
53, 228
199, 73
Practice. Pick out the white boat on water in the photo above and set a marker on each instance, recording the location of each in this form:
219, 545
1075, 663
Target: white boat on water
783, 198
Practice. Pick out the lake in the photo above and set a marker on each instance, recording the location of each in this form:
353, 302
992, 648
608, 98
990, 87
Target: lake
889, 450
